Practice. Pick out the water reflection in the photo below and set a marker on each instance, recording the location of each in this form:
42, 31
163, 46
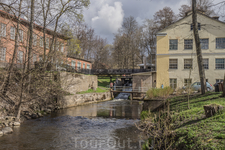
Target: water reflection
66, 129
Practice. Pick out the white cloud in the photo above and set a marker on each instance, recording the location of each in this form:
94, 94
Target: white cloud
109, 18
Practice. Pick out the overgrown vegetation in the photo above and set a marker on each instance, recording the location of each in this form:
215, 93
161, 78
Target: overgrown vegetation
159, 92
184, 128
98, 90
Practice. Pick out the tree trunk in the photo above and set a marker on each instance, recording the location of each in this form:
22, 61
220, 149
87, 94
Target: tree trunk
224, 86
198, 48
30, 42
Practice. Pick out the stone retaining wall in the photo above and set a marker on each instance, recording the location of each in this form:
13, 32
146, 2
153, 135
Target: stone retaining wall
73, 83
80, 99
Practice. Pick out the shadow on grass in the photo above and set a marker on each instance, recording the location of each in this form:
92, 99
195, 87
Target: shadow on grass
191, 122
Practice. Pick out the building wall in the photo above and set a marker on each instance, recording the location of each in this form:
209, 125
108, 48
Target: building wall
69, 60
210, 29
8, 43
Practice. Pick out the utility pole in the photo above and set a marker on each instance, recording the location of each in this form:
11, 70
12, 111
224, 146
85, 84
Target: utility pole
198, 48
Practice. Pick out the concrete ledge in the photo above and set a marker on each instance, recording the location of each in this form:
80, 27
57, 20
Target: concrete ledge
81, 99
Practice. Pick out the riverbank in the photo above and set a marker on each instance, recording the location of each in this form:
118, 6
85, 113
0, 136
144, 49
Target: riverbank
190, 128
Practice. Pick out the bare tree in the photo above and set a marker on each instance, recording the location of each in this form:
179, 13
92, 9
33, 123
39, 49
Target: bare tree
198, 48
164, 17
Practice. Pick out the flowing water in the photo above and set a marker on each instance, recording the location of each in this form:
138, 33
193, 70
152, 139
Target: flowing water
100, 126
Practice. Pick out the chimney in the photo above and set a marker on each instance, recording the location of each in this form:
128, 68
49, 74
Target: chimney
216, 17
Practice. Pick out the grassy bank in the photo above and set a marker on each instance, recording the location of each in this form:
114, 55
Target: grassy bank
192, 129
98, 90
105, 81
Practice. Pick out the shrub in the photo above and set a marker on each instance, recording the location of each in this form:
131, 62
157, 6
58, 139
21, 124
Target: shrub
154, 92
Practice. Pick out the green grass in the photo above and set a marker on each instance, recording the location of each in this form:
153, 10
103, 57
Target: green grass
193, 130
98, 90
105, 81
159, 92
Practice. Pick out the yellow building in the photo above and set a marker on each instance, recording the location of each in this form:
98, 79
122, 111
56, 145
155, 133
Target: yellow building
176, 57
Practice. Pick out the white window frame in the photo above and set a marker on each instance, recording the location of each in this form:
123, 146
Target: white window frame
83, 65
220, 43
20, 35
79, 65
47, 42
12, 33
62, 47
188, 65
41, 41
73, 64
3, 30
3, 53
20, 57
204, 43
188, 44
187, 82
173, 63
34, 40
173, 83
88, 66
220, 65
205, 62
34, 58
173, 44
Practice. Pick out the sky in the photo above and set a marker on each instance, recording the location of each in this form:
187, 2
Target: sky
106, 16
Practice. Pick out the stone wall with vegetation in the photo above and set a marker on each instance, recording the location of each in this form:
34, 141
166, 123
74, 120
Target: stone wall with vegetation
73, 83
80, 99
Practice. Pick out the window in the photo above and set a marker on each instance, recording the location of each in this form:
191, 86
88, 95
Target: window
219, 80
73, 63
3, 30
3, 51
21, 35
88, 66
204, 43
83, 65
173, 44
47, 42
187, 82
206, 80
220, 63
57, 45
220, 43
173, 83
173, 64
20, 57
12, 33
199, 26
41, 41
62, 47
206, 63
187, 63
34, 58
79, 65
188, 44
34, 40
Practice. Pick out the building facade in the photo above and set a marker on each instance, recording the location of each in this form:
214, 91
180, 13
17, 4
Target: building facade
8, 26
176, 53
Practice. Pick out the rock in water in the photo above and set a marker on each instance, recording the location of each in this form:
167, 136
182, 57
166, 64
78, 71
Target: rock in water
34, 116
7, 130
1, 133
16, 124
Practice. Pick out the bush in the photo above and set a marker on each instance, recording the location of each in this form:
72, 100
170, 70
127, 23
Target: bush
154, 92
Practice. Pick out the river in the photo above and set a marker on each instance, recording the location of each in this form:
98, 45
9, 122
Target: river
99, 126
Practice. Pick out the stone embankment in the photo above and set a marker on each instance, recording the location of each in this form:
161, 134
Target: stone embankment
81, 99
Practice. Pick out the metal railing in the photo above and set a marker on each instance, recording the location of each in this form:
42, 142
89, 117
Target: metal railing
128, 88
